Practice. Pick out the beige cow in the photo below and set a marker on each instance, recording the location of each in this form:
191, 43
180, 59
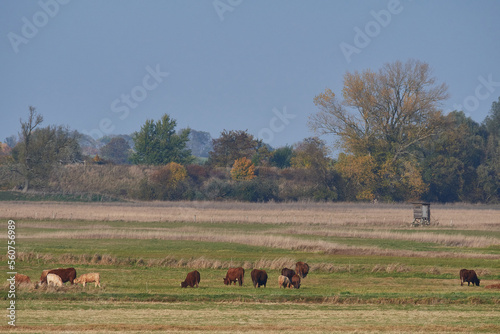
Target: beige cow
53, 279
89, 278
284, 281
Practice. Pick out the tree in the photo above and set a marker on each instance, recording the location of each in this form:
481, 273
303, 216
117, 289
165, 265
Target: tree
41, 149
116, 151
158, 144
281, 157
243, 169
200, 143
231, 146
451, 158
385, 114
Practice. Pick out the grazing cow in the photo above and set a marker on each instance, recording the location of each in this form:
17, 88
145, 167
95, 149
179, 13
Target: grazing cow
67, 275
288, 273
283, 281
259, 277
295, 281
53, 279
468, 276
192, 279
233, 275
89, 278
22, 279
302, 269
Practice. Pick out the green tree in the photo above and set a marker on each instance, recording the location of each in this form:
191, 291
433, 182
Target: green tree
42, 149
117, 151
386, 115
158, 144
451, 160
281, 157
231, 146
489, 170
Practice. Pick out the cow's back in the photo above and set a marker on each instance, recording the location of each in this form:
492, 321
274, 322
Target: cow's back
301, 269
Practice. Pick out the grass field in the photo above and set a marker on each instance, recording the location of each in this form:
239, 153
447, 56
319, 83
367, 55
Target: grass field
370, 271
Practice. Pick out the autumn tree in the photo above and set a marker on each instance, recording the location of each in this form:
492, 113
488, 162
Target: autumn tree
386, 115
231, 146
243, 169
157, 143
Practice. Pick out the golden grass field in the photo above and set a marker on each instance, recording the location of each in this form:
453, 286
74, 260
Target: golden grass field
370, 271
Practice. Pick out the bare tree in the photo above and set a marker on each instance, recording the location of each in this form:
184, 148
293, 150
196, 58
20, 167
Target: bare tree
27, 128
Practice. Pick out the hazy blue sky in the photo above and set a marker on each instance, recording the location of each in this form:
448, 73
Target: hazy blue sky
105, 67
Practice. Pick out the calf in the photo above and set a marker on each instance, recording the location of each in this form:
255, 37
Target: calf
468, 276
233, 275
89, 278
53, 279
295, 281
288, 273
283, 281
22, 279
192, 279
259, 277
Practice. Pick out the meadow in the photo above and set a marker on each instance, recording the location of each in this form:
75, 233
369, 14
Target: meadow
370, 271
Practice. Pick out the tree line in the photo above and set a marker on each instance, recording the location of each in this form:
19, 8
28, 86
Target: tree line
395, 145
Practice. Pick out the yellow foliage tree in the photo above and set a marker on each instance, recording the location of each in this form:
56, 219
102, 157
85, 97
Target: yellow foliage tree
360, 171
169, 175
243, 169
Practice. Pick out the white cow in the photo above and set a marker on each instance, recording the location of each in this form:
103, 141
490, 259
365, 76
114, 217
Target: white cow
53, 279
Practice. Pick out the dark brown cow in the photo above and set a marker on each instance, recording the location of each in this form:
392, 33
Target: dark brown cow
67, 275
22, 279
302, 269
295, 281
288, 273
468, 276
192, 279
259, 277
233, 275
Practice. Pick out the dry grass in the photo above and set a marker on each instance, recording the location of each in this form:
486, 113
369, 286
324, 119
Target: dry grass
339, 214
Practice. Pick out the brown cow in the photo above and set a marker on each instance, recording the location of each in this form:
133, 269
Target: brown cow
302, 269
283, 281
259, 277
288, 273
192, 279
22, 279
233, 275
468, 276
295, 282
67, 275
89, 278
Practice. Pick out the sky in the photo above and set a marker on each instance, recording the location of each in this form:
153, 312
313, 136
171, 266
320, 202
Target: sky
105, 67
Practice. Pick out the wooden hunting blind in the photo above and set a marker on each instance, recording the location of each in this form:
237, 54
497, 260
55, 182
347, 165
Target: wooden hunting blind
421, 213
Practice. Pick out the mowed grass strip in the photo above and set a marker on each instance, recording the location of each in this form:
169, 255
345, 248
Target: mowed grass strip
255, 317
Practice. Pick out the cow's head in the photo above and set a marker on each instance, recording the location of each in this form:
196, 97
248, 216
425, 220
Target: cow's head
184, 284
477, 281
76, 281
226, 281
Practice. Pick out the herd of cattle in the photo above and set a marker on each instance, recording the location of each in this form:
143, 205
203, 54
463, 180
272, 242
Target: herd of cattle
289, 278
59, 276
